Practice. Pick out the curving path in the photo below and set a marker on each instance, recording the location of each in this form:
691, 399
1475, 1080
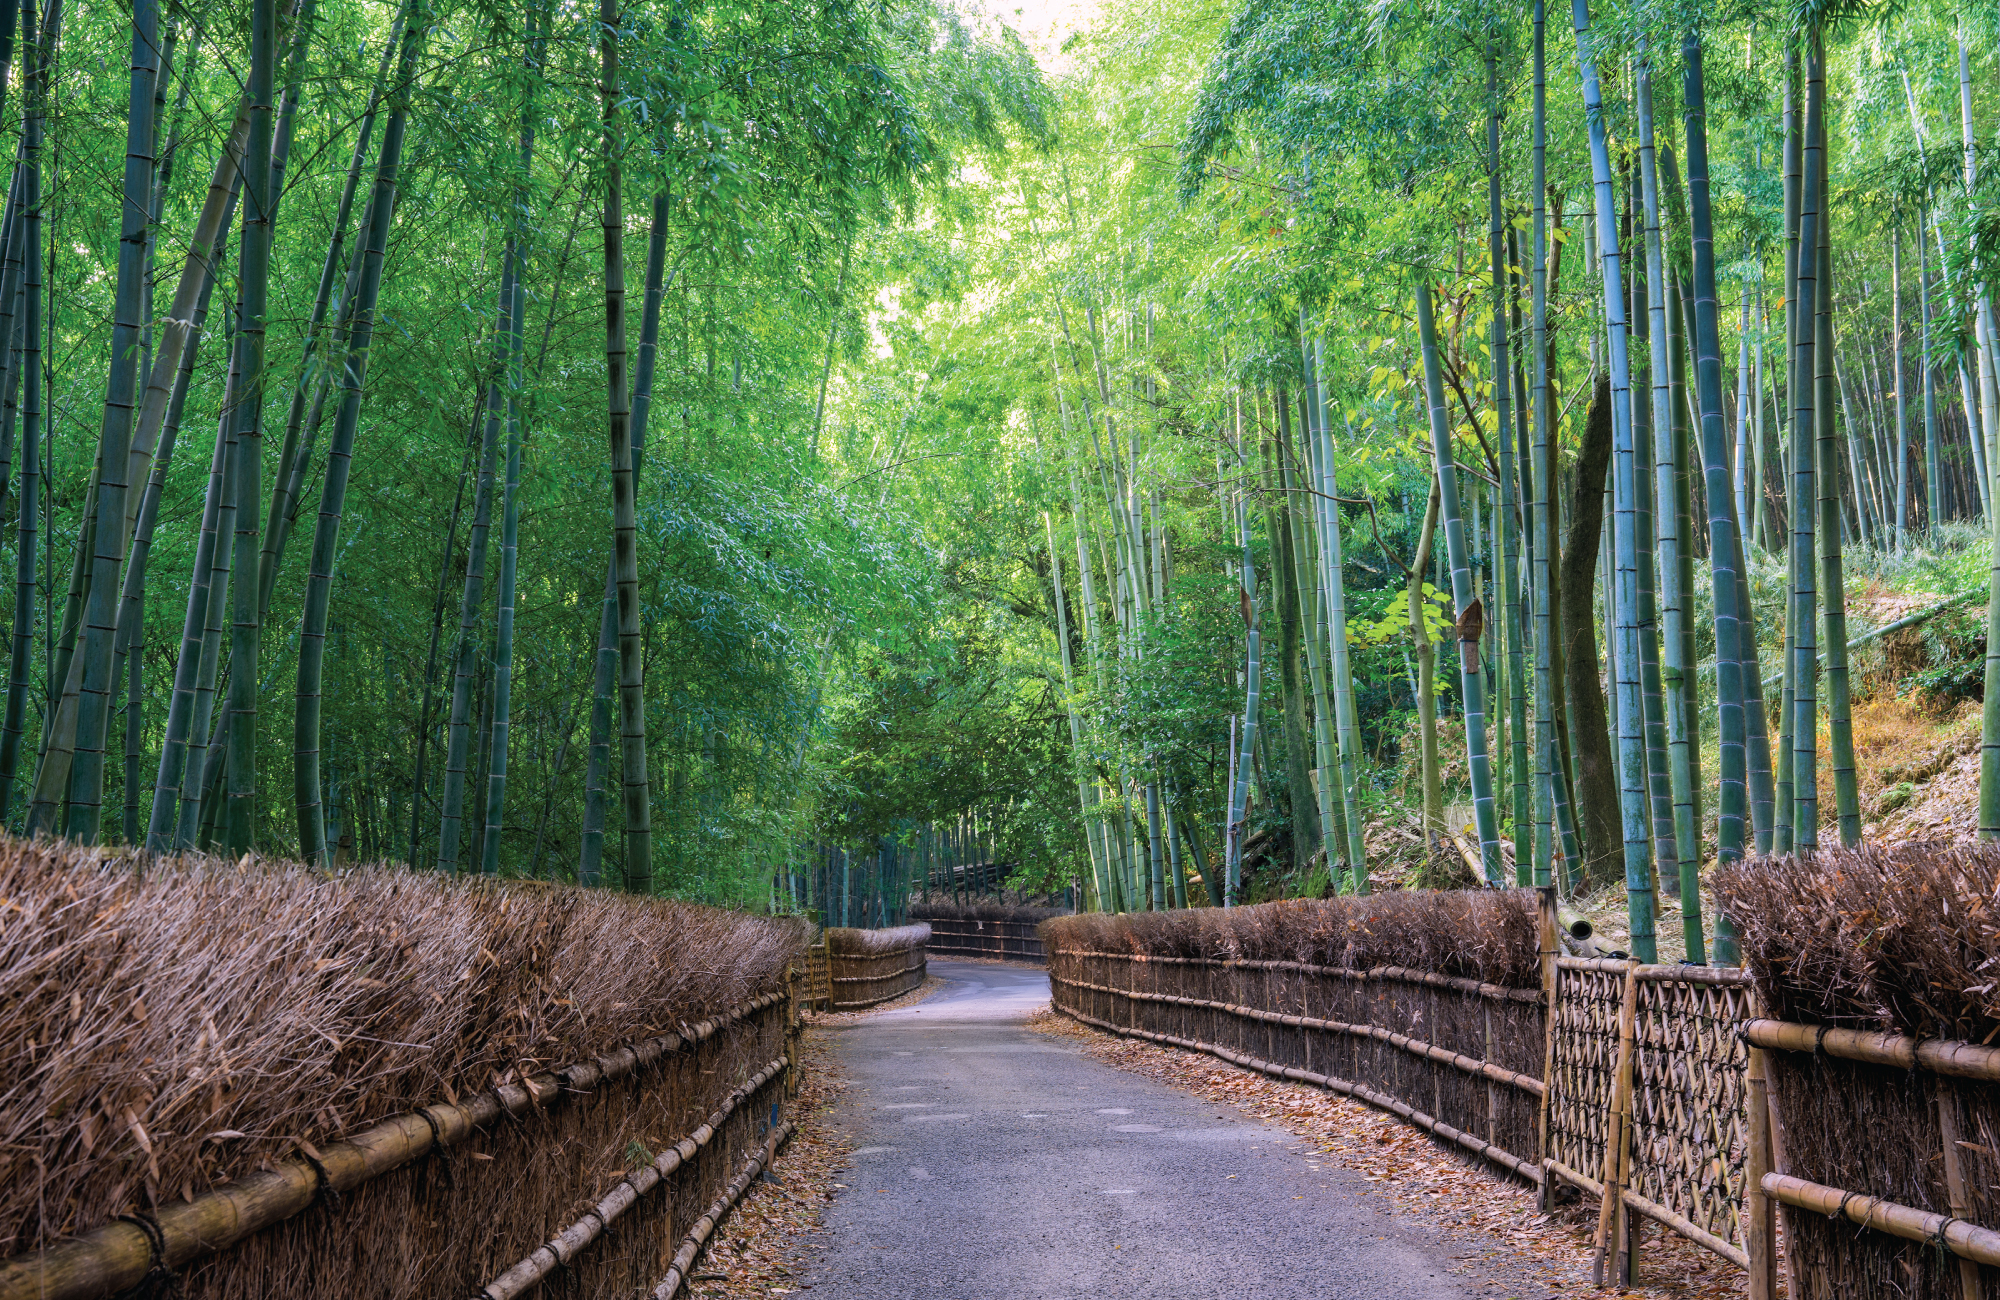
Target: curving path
992, 1161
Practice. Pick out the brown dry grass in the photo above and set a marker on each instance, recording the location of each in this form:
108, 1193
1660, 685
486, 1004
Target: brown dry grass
1486, 934
982, 910
1904, 938
874, 943
172, 1028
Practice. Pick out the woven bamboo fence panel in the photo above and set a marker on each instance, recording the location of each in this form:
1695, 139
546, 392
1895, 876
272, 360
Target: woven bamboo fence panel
1341, 1027
818, 990
968, 937
1583, 1068
1690, 1089
870, 966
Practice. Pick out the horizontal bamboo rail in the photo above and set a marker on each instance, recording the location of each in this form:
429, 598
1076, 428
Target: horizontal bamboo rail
870, 979
567, 1244
119, 1255
1573, 1176
1660, 1214
1938, 1055
1400, 974
1414, 1046
698, 1235
1966, 1240
1525, 1168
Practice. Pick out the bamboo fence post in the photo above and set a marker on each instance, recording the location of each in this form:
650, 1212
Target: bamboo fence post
1611, 1218
793, 1026
1546, 923
1958, 1195
1760, 1237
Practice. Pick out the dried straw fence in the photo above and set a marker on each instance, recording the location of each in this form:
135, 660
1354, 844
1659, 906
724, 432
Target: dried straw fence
1880, 970
865, 967
255, 1081
985, 930
1666, 1093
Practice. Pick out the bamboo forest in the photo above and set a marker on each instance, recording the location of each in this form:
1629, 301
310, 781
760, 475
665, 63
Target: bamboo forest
971, 633
803, 456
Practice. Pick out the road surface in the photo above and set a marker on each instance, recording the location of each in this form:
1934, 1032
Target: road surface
994, 1162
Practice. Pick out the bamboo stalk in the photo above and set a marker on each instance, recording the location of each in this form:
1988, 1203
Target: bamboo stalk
120, 1254
1547, 930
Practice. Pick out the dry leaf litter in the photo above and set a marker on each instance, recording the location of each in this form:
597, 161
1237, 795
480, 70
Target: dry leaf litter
761, 1248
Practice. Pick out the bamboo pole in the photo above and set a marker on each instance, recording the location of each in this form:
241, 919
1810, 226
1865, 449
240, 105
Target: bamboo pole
571, 1241
1960, 1201
1966, 1240
1939, 1056
1760, 1228
1611, 1226
692, 1244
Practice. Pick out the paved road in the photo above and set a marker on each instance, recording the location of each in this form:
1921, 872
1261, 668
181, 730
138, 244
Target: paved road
992, 1161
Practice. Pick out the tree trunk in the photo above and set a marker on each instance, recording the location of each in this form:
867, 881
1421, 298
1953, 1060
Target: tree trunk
1306, 829
1596, 790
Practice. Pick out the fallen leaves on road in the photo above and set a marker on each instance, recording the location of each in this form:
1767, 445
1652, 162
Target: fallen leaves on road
1489, 1224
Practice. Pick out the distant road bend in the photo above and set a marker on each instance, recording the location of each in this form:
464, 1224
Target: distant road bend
995, 1162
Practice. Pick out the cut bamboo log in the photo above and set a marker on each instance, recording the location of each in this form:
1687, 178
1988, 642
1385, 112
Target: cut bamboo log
119, 1255
570, 1242
1938, 1055
1966, 1240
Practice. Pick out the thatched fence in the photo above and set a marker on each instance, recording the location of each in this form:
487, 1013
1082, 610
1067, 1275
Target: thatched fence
1708, 1101
864, 967
266, 1081
1010, 933
1880, 972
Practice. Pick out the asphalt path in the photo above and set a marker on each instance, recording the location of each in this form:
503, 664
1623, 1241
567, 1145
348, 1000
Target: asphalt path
993, 1161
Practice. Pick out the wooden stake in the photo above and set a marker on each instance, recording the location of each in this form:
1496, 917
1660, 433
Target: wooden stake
1546, 925
1960, 1199
1760, 1236
1611, 1218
